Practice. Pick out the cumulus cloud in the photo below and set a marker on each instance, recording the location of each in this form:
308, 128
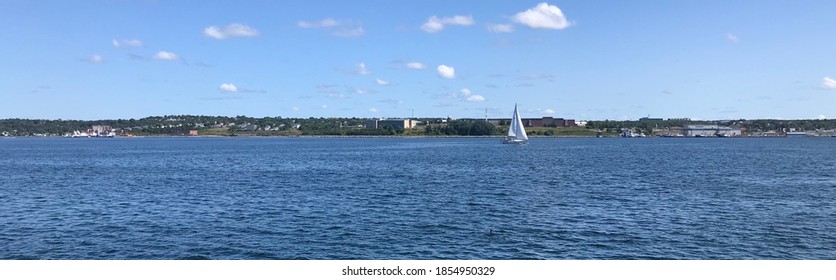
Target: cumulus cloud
361, 91
542, 16
828, 83
164, 55
373, 110
475, 98
732, 38
547, 112
822, 117
346, 28
232, 30
229, 88
500, 28
382, 82
435, 24
362, 70
416, 65
467, 95
95, 59
447, 72
127, 43
328, 22
349, 32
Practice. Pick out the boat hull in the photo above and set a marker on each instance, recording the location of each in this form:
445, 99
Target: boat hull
514, 141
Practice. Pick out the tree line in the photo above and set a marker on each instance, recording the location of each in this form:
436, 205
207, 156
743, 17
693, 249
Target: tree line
181, 124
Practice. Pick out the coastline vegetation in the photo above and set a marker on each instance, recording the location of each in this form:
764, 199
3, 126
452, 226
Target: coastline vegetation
175, 125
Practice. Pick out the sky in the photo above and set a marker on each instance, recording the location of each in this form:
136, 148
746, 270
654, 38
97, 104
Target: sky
583, 60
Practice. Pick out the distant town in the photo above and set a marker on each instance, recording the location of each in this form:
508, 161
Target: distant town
191, 125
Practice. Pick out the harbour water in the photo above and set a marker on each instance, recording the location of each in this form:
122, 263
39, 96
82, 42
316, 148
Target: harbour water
417, 198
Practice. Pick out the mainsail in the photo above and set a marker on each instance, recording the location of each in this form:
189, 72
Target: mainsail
517, 130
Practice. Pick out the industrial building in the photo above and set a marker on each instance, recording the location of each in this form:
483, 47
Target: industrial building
396, 123
548, 121
710, 131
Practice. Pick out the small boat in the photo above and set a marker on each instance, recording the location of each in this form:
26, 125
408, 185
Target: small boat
516, 133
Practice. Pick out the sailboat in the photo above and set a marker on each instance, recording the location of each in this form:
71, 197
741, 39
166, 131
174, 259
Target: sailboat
516, 133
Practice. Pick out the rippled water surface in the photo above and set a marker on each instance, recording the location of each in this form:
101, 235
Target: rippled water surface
395, 198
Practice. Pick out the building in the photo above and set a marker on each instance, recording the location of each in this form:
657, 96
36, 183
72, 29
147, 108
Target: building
710, 131
396, 123
192, 132
548, 122
101, 128
649, 119
797, 134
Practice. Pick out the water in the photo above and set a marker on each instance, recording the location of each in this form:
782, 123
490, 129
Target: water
395, 198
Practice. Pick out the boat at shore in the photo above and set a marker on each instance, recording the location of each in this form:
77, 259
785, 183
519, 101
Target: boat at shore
516, 132
82, 134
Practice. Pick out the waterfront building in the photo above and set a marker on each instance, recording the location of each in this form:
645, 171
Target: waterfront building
101, 128
710, 131
396, 123
548, 122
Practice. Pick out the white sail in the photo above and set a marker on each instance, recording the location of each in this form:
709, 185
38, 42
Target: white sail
516, 133
517, 126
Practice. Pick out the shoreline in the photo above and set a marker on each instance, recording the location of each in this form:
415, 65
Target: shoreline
386, 136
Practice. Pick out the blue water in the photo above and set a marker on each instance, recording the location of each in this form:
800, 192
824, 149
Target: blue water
415, 198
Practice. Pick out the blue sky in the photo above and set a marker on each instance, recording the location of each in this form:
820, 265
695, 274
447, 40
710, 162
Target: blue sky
586, 60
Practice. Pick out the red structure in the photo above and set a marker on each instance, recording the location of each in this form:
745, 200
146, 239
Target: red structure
548, 122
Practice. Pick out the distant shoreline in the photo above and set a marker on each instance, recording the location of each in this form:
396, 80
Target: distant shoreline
385, 136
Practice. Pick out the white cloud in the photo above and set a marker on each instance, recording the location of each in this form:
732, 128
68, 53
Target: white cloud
336, 95
361, 91
95, 59
466, 94
232, 30
229, 88
500, 28
295, 109
362, 70
328, 22
163, 55
542, 16
447, 72
475, 98
373, 110
416, 65
435, 24
547, 112
127, 43
381, 82
345, 28
822, 117
324, 106
349, 32
828, 83
732, 38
